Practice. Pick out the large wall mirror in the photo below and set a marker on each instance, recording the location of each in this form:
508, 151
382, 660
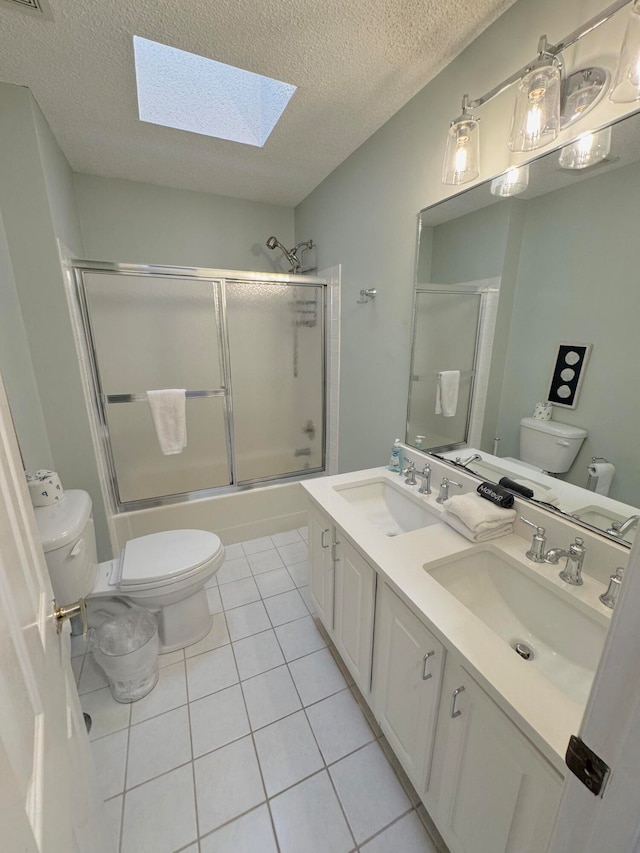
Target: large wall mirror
501, 283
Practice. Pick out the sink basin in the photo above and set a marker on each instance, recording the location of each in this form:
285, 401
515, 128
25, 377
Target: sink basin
603, 519
565, 644
388, 506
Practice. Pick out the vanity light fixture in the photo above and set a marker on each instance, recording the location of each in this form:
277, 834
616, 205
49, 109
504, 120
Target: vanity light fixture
587, 150
546, 103
513, 182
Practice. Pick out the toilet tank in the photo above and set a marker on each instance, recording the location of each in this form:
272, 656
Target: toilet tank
68, 539
550, 445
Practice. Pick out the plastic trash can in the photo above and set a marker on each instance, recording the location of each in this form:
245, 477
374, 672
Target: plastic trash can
127, 650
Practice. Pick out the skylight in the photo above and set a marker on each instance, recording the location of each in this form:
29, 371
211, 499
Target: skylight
190, 92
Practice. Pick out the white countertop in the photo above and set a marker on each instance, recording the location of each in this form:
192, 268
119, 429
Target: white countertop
541, 710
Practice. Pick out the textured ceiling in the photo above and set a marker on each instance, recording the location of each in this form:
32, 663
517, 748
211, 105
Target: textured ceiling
355, 65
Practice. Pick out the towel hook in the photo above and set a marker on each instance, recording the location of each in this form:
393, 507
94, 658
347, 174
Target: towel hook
366, 295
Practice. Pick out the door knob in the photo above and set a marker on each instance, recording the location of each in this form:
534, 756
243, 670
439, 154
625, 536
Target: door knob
62, 612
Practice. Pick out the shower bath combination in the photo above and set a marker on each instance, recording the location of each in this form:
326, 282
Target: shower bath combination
292, 256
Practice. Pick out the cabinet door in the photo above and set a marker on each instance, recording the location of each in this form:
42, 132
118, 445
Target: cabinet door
354, 597
490, 790
406, 683
321, 565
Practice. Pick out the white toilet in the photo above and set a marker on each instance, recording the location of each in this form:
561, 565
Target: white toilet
549, 446
163, 572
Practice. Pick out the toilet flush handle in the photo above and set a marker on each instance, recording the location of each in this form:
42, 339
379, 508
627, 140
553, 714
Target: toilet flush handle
78, 548
563, 442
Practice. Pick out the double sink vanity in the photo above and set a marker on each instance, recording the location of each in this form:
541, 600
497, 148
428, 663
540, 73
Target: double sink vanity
476, 661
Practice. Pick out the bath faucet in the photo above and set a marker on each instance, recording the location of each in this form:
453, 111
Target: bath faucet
425, 486
444, 489
410, 474
610, 597
537, 551
572, 572
475, 458
619, 528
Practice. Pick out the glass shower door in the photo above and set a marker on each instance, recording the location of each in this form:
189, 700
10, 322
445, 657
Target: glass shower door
154, 332
276, 346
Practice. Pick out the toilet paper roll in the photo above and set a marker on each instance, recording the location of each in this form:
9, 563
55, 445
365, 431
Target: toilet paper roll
604, 473
45, 488
543, 412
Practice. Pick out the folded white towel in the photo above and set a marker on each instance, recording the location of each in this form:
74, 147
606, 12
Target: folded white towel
501, 530
479, 515
168, 410
447, 393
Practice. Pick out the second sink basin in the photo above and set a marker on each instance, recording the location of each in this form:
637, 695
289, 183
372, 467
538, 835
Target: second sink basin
563, 643
388, 506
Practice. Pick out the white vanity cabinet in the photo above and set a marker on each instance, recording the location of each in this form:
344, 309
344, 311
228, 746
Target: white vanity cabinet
408, 665
489, 790
322, 553
355, 592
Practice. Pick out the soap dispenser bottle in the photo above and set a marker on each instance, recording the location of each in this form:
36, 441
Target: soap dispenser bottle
395, 462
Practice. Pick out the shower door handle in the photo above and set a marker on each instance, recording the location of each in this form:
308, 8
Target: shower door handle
322, 542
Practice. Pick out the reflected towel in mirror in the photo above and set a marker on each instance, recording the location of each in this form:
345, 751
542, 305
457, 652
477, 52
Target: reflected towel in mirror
168, 411
447, 392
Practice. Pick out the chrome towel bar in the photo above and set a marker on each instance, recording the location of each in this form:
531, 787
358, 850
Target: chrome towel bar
142, 398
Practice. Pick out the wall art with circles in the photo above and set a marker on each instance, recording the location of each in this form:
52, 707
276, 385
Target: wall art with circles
568, 374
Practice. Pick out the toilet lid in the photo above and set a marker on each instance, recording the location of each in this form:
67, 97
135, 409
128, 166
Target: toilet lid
160, 556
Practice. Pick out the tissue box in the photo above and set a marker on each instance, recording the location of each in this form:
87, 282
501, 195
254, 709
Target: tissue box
45, 488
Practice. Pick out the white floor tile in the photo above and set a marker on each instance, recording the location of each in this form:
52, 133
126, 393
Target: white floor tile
406, 836
217, 636
171, 657
299, 638
110, 759
160, 816
308, 818
158, 745
257, 654
251, 833
287, 753
369, 791
210, 672
107, 715
273, 583
305, 592
247, 620
300, 573
285, 607
170, 692
214, 600
286, 538
295, 553
228, 783
233, 570
270, 697
339, 725
238, 593
93, 677
113, 815
317, 676
254, 546
304, 532
265, 561
218, 719
233, 551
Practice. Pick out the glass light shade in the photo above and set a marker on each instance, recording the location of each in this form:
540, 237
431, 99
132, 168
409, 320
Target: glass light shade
461, 157
515, 180
626, 83
586, 150
536, 117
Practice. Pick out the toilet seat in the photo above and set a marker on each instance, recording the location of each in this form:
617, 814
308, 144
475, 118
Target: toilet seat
161, 559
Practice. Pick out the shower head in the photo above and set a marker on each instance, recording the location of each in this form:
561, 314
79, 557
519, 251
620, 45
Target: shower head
274, 243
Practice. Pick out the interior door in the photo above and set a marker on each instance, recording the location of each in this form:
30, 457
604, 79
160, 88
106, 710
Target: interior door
47, 799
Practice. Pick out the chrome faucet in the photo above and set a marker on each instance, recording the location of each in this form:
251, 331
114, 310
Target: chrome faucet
610, 597
619, 528
410, 474
475, 458
444, 489
537, 551
425, 486
572, 572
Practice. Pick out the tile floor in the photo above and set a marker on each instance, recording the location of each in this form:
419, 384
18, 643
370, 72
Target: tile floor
254, 740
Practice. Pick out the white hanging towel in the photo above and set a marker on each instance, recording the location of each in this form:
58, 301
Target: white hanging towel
168, 411
447, 393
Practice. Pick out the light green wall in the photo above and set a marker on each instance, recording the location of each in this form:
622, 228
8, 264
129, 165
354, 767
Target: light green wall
578, 281
363, 215
142, 223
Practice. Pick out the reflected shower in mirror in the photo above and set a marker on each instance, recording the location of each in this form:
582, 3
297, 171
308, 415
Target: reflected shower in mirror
563, 252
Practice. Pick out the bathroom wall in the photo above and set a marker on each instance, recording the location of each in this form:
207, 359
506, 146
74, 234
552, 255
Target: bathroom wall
364, 214
590, 296
142, 223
